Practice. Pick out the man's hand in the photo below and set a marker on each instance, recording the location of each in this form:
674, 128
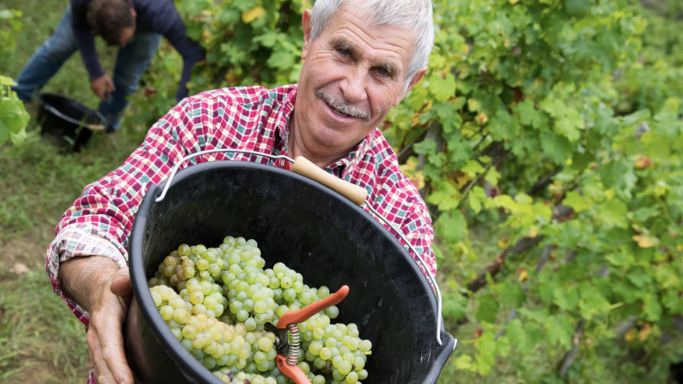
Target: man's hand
104, 290
102, 86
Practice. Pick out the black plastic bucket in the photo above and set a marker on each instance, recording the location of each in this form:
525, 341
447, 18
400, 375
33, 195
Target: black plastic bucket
310, 228
66, 122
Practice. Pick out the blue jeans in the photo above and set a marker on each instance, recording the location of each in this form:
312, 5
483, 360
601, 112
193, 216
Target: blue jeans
131, 62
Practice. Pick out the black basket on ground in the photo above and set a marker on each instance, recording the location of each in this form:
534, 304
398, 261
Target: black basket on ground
310, 228
67, 123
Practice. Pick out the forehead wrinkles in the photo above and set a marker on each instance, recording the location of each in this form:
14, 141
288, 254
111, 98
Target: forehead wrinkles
374, 42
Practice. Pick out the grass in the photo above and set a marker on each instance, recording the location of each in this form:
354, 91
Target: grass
39, 20
40, 340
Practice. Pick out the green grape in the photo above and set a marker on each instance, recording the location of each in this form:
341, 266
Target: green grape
166, 312
184, 250
286, 282
260, 307
323, 292
315, 347
265, 344
216, 301
319, 363
351, 378
344, 367
289, 295
250, 323
365, 346
332, 312
325, 353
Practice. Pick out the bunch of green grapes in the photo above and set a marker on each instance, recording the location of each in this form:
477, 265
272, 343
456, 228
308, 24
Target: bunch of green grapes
217, 301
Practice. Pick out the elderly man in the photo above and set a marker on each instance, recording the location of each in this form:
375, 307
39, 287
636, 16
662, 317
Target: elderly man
134, 25
361, 57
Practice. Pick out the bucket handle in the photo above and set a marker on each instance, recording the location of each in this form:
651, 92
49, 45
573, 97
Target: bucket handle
92, 127
353, 192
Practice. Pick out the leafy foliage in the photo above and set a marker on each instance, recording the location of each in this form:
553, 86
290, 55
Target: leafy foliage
13, 115
10, 25
247, 42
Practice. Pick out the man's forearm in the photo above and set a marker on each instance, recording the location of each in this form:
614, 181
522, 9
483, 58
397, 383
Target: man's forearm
86, 45
81, 276
186, 74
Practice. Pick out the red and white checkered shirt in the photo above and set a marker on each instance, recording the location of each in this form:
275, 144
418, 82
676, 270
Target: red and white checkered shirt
248, 118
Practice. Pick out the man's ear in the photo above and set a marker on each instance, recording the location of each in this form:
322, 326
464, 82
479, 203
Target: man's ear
416, 79
306, 24
133, 13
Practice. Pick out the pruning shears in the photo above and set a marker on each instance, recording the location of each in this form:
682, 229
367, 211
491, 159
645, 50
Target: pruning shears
287, 337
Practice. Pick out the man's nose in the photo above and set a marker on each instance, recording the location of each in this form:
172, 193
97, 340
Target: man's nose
353, 86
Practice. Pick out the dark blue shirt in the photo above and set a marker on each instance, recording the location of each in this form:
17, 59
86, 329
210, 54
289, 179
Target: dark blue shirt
158, 16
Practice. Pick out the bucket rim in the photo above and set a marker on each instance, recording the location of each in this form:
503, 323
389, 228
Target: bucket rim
139, 279
80, 123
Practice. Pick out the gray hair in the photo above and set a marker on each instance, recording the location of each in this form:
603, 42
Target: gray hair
416, 15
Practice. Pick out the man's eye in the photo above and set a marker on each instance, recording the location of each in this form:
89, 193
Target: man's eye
383, 71
344, 52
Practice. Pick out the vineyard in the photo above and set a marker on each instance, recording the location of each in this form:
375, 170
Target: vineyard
546, 137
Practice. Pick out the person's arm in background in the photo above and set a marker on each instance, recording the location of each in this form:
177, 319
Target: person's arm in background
100, 82
175, 32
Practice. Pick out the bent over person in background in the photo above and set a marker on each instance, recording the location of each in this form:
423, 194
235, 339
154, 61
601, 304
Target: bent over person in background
136, 26
361, 57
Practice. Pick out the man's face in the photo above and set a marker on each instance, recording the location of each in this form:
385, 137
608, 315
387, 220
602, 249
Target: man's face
126, 36
128, 32
353, 73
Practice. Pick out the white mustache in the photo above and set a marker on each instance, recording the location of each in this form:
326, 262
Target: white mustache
342, 106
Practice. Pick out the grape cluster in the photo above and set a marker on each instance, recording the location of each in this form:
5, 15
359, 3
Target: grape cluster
216, 301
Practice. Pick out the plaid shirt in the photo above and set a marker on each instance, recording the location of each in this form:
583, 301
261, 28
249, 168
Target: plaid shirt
249, 118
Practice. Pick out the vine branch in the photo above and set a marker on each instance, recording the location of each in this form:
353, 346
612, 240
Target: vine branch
496, 265
571, 356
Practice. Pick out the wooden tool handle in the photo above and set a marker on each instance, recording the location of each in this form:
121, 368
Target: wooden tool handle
352, 192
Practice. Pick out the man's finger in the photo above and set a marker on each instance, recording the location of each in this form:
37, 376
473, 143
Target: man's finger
110, 339
101, 94
108, 85
95, 350
112, 352
104, 379
120, 283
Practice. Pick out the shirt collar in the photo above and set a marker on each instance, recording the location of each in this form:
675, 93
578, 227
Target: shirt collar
348, 163
282, 128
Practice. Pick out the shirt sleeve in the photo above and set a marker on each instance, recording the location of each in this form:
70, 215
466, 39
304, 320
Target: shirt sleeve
101, 219
79, 240
395, 199
85, 39
189, 50
420, 233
